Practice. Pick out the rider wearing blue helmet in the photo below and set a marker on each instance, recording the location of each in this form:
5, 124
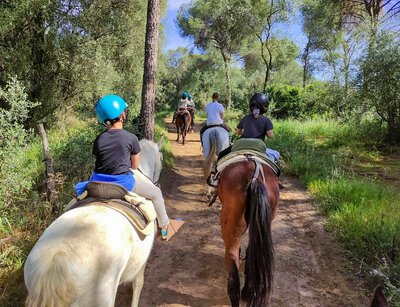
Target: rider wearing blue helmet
117, 154
109, 108
182, 104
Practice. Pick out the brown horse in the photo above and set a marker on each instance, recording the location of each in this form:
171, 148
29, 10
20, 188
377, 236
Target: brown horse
249, 193
182, 123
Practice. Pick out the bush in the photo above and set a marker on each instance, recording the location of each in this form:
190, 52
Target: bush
285, 102
18, 166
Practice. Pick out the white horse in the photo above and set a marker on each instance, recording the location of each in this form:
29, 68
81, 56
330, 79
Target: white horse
214, 140
84, 255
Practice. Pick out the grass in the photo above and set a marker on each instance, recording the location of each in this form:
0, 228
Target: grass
363, 212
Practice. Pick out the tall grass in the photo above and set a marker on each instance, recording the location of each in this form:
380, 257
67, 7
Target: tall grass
363, 214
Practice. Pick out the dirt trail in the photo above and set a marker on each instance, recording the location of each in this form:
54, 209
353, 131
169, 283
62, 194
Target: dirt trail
189, 270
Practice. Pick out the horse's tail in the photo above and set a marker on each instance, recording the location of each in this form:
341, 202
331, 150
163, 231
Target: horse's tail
260, 253
50, 280
212, 139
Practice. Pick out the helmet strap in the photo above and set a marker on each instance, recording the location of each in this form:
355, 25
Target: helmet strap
110, 122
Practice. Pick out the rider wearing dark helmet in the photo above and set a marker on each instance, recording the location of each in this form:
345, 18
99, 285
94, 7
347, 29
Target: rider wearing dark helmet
256, 125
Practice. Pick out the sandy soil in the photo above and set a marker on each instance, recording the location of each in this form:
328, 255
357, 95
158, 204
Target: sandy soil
189, 270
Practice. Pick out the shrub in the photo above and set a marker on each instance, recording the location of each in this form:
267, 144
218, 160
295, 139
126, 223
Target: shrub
285, 102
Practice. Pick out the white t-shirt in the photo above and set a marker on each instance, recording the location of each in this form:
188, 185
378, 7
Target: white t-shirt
190, 103
182, 103
213, 110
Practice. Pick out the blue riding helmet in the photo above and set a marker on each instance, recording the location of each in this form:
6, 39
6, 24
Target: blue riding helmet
189, 96
184, 95
110, 107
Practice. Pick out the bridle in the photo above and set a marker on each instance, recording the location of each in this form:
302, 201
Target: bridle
157, 183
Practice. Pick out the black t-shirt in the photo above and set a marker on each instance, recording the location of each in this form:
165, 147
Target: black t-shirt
255, 127
113, 149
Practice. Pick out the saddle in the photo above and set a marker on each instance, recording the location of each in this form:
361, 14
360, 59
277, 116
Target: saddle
183, 112
138, 210
243, 150
212, 125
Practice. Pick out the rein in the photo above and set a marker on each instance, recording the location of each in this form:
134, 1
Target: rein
157, 184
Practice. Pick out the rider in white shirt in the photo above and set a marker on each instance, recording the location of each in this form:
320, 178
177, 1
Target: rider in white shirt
190, 102
215, 115
215, 111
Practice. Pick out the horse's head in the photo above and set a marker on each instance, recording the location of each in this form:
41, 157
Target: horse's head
151, 159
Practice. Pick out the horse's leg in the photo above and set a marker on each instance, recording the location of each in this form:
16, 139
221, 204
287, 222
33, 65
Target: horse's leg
233, 226
232, 241
177, 130
137, 286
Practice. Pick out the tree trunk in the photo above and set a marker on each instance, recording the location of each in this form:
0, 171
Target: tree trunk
227, 62
150, 69
268, 67
306, 62
50, 182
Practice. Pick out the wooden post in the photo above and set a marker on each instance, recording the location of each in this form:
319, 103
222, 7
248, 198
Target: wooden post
50, 182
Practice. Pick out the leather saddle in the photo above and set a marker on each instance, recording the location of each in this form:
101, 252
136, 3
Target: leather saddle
138, 210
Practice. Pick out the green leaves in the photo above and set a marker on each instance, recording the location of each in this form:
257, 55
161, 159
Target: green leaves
379, 81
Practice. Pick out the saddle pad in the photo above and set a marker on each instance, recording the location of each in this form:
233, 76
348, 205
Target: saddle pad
243, 155
145, 205
249, 144
133, 217
140, 215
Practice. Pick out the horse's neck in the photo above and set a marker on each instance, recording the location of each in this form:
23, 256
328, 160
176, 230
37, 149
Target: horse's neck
146, 166
148, 162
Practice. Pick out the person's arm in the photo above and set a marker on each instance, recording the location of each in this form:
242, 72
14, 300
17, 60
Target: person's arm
239, 131
221, 113
239, 128
269, 128
135, 161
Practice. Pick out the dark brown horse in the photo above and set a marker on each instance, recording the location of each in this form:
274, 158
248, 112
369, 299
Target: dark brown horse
182, 123
249, 193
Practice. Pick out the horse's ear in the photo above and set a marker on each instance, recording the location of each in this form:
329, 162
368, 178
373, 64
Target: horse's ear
159, 144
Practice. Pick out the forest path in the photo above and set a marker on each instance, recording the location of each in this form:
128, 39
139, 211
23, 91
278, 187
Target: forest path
189, 270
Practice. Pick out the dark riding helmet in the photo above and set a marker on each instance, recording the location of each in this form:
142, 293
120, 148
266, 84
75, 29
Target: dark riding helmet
260, 101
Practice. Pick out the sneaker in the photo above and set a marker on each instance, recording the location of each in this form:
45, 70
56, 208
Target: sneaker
164, 234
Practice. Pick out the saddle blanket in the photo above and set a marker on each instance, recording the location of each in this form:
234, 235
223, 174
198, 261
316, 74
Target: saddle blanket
138, 210
243, 155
